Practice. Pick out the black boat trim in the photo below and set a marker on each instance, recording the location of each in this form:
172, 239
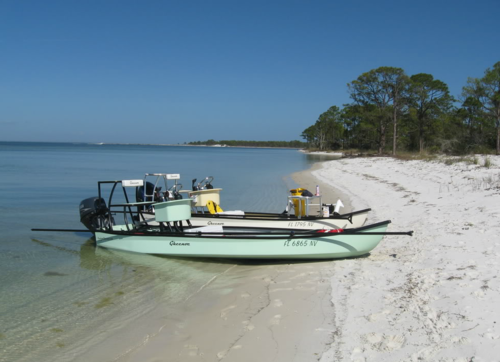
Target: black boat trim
275, 234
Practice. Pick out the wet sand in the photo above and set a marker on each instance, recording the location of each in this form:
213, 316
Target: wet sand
266, 312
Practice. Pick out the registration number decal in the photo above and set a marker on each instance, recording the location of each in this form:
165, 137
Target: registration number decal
299, 242
302, 224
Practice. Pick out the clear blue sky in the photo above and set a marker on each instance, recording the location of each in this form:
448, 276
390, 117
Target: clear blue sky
178, 71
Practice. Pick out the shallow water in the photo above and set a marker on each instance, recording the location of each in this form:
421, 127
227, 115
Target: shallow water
59, 294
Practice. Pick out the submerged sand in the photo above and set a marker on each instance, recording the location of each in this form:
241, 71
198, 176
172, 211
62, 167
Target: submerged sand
430, 297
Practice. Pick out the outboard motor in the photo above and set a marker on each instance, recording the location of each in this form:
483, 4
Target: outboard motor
94, 213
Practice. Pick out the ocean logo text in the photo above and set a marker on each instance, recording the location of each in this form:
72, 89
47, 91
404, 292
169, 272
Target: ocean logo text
215, 223
173, 243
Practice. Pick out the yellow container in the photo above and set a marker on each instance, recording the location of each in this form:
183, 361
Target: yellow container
298, 192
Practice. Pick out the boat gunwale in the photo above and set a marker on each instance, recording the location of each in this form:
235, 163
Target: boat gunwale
272, 216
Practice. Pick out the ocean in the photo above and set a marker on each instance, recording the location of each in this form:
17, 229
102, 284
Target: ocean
60, 296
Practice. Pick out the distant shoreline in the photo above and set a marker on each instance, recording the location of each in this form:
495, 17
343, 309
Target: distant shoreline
148, 144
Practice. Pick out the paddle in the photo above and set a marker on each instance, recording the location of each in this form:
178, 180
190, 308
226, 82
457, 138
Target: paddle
358, 232
64, 230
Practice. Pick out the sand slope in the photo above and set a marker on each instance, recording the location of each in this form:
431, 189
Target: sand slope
432, 297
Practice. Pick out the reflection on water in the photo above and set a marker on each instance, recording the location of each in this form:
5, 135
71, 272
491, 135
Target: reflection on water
313, 157
90, 260
94, 292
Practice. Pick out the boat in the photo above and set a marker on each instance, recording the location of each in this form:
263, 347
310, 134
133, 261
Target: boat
301, 212
173, 234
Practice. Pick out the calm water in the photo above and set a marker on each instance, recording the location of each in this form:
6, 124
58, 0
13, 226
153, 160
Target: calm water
59, 294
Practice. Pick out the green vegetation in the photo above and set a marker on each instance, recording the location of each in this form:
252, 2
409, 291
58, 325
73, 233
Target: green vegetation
233, 143
392, 111
408, 156
447, 160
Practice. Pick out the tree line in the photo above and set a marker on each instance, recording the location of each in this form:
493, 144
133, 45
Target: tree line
392, 111
236, 143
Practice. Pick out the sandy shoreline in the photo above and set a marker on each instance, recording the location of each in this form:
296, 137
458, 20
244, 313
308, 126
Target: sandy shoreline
431, 297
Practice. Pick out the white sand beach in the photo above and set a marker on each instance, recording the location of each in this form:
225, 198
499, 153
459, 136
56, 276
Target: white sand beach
431, 297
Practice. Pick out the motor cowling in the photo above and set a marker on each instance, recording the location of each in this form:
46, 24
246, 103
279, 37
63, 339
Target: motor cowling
94, 213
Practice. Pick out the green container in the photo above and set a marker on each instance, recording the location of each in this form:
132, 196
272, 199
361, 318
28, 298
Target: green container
175, 210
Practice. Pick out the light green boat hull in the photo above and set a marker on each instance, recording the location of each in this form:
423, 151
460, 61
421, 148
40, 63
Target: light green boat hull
323, 246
